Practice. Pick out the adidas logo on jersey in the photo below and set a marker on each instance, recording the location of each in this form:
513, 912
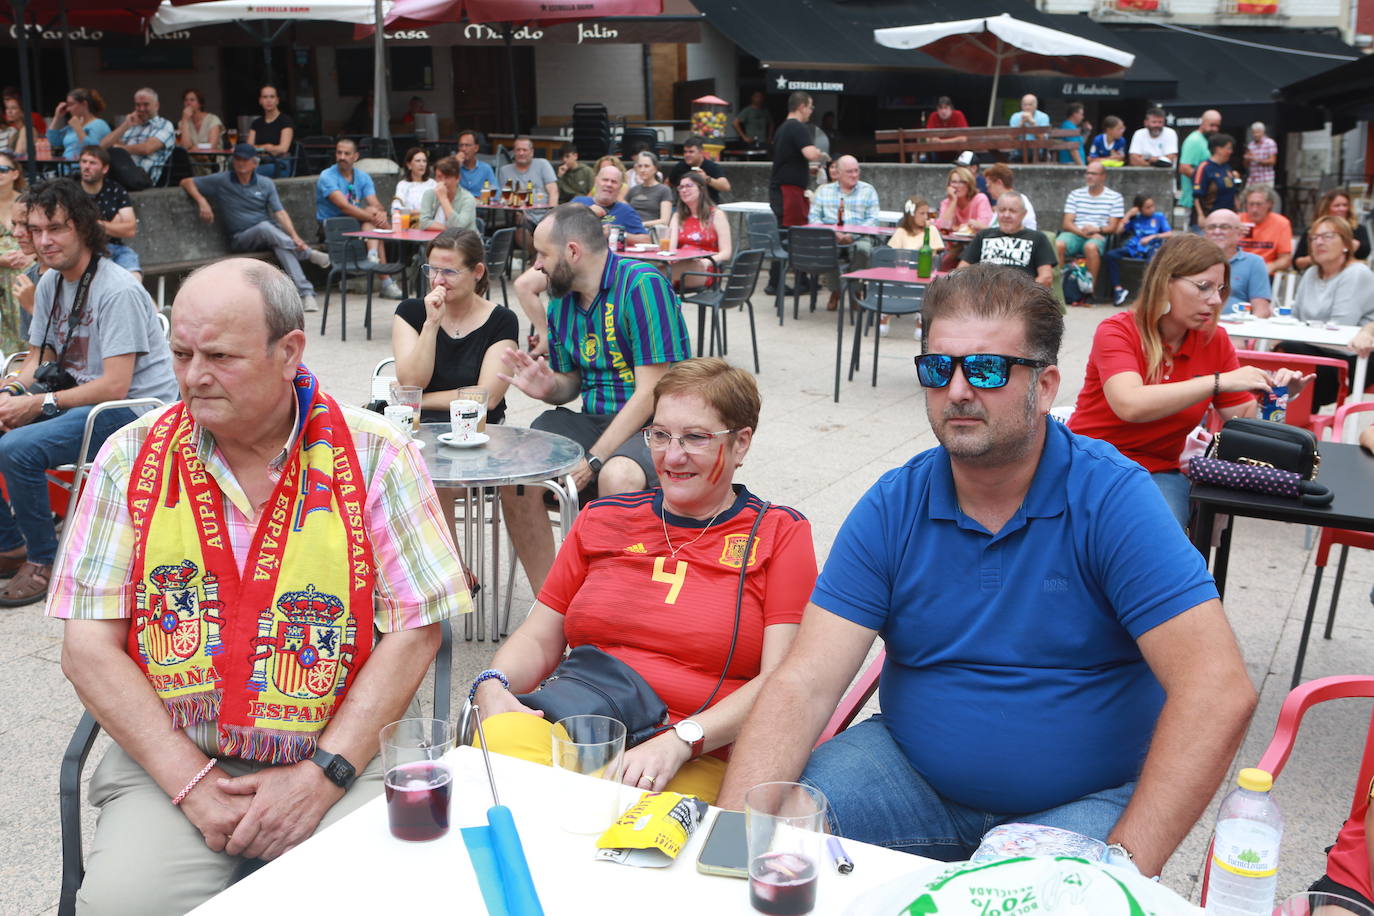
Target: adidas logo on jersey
636, 548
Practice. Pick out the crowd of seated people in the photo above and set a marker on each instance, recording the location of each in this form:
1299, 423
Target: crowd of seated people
664, 437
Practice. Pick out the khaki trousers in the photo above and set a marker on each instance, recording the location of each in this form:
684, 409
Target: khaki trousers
148, 859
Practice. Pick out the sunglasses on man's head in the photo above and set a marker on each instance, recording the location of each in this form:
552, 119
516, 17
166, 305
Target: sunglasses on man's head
981, 370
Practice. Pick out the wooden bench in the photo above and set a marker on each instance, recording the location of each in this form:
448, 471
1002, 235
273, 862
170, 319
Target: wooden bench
907, 144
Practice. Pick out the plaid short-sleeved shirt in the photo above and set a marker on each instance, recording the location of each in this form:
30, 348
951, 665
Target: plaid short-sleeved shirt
860, 204
635, 320
156, 128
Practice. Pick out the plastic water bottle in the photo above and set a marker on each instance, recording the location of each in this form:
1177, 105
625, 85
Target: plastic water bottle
1245, 854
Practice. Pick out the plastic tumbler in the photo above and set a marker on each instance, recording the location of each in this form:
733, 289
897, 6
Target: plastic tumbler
784, 822
418, 784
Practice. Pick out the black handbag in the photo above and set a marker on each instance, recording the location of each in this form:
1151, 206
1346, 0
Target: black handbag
591, 682
1263, 443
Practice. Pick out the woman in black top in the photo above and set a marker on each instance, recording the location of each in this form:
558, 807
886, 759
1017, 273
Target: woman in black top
454, 337
272, 134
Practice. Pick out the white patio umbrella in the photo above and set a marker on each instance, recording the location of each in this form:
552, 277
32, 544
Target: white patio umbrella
992, 44
169, 18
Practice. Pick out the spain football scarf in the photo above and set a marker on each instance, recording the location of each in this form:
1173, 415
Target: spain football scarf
268, 650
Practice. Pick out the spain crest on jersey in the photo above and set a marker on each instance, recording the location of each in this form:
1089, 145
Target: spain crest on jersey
172, 622
732, 551
303, 646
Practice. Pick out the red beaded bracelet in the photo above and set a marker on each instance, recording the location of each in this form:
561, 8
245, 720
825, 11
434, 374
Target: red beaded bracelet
195, 779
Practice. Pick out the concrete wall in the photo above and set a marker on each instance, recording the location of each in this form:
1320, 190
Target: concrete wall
612, 74
170, 231
1045, 185
117, 88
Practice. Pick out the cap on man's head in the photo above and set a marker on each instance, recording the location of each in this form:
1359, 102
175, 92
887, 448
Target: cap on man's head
245, 151
966, 158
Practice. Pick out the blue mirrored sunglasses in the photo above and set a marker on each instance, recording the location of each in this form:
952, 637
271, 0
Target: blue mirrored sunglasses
981, 370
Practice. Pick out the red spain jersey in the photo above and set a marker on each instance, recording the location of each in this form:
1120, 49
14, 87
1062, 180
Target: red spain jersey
670, 618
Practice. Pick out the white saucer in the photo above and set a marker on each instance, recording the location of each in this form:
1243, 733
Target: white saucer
1285, 319
381, 230
476, 440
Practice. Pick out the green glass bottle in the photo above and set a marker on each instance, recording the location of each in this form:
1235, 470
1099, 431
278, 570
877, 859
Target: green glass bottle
924, 256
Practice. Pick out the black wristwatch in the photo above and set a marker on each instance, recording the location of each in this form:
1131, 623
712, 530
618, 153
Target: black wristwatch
594, 463
336, 767
50, 408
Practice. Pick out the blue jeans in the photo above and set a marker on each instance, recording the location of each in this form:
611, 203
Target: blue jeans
877, 797
124, 256
1113, 258
1175, 488
274, 168
25, 453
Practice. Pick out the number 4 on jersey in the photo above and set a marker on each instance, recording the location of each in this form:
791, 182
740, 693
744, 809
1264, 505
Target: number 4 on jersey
673, 579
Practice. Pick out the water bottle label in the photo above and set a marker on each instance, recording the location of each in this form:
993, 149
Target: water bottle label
1246, 849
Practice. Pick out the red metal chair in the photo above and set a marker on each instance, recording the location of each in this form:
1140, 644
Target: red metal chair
854, 700
1300, 408
1330, 537
1294, 707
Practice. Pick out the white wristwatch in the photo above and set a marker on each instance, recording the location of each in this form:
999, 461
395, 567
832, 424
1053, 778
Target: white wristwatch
690, 730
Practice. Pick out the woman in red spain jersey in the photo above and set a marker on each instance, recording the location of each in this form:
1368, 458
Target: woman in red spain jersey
697, 223
651, 578
1155, 369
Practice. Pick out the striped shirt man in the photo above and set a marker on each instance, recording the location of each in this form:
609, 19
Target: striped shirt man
1098, 210
860, 204
635, 320
417, 565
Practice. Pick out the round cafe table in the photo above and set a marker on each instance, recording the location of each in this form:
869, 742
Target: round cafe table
514, 455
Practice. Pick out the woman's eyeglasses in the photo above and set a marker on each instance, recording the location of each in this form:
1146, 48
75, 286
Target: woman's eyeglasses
658, 439
6, 169
1205, 288
1325, 236
448, 274
981, 370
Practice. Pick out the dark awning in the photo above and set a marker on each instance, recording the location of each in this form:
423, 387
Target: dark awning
836, 35
1345, 92
1240, 73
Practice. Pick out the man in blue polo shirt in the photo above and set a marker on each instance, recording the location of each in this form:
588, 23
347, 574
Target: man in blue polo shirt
612, 212
615, 326
475, 174
1249, 277
254, 217
1056, 652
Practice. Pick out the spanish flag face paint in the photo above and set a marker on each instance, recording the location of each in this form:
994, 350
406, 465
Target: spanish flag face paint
717, 468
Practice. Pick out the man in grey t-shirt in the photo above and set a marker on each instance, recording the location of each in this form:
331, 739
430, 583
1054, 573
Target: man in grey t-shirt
114, 348
526, 169
522, 172
249, 203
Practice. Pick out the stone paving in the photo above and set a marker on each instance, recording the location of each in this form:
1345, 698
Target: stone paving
819, 457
